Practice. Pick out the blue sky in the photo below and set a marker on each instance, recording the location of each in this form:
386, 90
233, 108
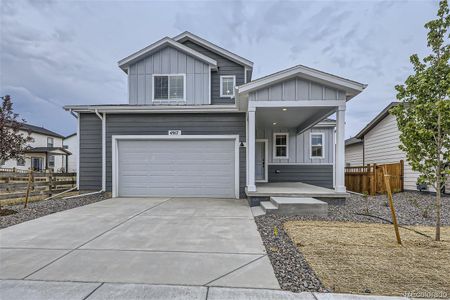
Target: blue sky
55, 53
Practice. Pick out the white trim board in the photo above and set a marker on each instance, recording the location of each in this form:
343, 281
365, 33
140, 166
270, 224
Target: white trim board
124, 63
115, 149
266, 158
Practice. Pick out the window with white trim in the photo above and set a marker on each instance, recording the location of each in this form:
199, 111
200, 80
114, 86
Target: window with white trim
317, 145
49, 142
51, 161
168, 87
227, 86
280, 145
20, 161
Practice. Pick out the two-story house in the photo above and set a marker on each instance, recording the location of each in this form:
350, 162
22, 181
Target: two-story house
196, 124
44, 151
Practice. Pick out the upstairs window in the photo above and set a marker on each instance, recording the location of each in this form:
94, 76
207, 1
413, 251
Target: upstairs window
280, 145
317, 145
227, 86
49, 142
168, 87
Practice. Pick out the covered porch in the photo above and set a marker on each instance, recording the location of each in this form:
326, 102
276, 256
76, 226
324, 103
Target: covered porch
293, 148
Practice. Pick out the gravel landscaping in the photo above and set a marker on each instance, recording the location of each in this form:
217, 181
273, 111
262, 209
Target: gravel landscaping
41, 208
291, 268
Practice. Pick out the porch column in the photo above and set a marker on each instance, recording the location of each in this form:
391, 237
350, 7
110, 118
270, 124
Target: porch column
340, 149
251, 150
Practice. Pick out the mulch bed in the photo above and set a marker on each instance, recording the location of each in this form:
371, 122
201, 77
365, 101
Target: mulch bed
18, 214
291, 268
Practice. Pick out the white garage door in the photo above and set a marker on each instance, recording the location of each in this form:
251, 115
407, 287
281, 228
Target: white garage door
176, 168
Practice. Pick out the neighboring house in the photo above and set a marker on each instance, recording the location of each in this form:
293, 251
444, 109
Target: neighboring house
354, 152
70, 143
196, 124
378, 143
44, 152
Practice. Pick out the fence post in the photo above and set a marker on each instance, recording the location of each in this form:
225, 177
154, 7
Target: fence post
374, 181
50, 182
391, 203
30, 178
402, 175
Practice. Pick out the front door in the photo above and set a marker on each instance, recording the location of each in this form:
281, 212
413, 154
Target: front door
261, 160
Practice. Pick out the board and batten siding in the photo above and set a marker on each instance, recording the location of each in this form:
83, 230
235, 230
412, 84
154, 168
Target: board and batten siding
225, 67
90, 154
169, 61
381, 146
299, 150
189, 124
296, 89
354, 155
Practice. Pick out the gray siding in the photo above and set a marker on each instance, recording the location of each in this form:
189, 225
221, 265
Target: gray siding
320, 175
296, 89
299, 145
169, 61
225, 67
189, 124
90, 152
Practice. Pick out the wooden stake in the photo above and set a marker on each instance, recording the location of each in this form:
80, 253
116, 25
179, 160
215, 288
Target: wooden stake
391, 204
30, 179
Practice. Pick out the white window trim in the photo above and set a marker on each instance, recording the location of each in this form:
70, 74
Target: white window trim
274, 142
115, 152
221, 86
311, 145
168, 75
52, 139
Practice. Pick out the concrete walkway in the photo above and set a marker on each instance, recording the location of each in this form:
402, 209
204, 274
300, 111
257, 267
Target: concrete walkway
198, 242
52, 290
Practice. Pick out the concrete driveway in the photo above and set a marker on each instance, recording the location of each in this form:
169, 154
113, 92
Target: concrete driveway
202, 242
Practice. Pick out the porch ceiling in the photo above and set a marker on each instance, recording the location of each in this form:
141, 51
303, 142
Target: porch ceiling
291, 117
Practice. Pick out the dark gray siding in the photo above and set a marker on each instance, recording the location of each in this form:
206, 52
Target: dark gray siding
226, 67
320, 175
90, 152
189, 124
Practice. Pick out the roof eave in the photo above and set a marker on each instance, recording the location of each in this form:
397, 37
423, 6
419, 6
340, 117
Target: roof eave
207, 44
125, 62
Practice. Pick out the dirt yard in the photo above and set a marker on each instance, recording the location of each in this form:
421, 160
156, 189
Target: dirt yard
364, 258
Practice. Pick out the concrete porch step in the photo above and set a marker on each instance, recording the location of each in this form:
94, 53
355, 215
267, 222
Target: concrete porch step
268, 207
299, 206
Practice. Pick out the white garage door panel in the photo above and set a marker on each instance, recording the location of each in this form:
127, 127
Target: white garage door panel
176, 168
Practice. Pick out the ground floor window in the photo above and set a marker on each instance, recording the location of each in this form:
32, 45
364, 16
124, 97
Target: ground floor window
280, 145
51, 161
21, 162
317, 145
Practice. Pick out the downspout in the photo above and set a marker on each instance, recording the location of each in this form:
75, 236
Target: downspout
103, 118
77, 116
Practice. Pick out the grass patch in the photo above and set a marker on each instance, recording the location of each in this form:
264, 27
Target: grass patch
365, 258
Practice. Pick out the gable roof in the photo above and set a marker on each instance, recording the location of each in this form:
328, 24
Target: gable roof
164, 42
351, 87
214, 48
41, 130
376, 120
70, 135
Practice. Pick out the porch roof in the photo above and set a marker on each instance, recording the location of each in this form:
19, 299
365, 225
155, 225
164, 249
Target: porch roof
352, 88
49, 150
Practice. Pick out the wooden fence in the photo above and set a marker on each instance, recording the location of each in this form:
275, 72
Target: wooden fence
370, 178
15, 183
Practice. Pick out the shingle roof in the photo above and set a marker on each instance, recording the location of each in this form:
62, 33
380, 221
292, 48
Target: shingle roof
40, 130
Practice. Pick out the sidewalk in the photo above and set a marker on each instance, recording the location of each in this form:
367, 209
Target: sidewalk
53, 290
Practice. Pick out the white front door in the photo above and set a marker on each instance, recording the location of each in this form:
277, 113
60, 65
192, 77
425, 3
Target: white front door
261, 160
